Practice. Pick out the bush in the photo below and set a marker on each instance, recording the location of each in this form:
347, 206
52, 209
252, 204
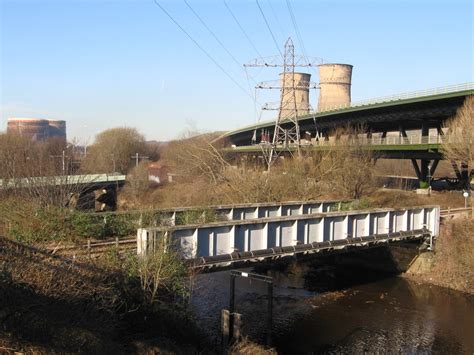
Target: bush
30, 222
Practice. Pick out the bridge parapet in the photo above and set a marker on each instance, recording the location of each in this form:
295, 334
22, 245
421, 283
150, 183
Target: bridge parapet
254, 235
406, 95
259, 210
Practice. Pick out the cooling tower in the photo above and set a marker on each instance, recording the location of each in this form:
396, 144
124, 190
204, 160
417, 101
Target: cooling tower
301, 92
334, 85
37, 129
57, 128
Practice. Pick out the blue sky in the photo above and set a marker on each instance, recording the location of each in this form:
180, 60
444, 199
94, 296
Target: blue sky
105, 63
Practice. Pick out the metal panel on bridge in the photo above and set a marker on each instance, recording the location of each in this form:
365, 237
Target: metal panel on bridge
260, 210
222, 238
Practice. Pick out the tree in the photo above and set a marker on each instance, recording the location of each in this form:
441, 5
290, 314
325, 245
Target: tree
113, 149
31, 170
459, 145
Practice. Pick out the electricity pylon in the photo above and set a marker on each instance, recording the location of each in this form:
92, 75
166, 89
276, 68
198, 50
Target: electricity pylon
288, 137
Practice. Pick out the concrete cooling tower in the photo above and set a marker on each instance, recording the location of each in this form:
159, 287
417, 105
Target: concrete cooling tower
301, 92
37, 129
334, 85
57, 128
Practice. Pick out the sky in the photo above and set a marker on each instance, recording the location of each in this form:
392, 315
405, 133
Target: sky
100, 64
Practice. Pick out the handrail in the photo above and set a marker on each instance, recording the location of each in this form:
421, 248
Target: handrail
391, 140
405, 96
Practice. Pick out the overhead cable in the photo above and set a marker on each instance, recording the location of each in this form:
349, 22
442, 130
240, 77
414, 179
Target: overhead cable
280, 27
268, 27
212, 33
242, 29
295, 26
202, 49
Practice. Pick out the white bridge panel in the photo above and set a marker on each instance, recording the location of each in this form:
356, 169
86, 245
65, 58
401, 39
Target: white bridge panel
257, 239
287, 233
251, 235
223, 240
188, 242
315, 230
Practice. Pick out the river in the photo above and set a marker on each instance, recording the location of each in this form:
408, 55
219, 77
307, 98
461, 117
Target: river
341, 310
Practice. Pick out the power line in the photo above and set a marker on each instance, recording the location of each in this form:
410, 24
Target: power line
212, 33
269, 29
242, 29
295, 26
202, 49
280, 27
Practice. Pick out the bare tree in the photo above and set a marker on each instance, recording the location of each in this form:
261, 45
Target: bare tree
36, 170
343, 169
459, 145
112, 151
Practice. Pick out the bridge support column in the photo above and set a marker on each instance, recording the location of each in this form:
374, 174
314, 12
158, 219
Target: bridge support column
106, 199
424, 174
462, 174
425, 171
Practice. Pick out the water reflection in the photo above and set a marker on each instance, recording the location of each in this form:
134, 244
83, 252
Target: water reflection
383, 315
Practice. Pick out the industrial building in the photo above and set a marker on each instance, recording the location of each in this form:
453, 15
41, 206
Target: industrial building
37, 129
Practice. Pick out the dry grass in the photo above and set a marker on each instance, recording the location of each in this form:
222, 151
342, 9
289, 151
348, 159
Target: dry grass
247, 347
51, 304
453, 261
399, 198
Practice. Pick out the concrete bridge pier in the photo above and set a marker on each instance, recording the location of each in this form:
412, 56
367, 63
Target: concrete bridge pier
106, 199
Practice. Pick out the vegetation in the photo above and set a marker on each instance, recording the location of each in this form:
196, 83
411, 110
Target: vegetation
452, 264
54, 305
21, 157
343, 171
460, 144
113, 149
247, 347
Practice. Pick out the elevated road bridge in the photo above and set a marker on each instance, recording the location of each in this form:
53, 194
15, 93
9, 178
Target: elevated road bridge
405, 126
409, 111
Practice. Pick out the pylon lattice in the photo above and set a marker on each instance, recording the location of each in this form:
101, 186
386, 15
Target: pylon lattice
286, 134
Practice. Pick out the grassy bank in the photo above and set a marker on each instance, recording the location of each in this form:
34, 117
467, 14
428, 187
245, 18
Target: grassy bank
452, 263
54, 305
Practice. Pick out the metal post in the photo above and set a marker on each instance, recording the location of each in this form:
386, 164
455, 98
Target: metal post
231, 304
269, 313
64, 163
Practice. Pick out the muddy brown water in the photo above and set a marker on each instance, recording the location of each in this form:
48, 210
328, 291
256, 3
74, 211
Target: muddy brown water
336, 310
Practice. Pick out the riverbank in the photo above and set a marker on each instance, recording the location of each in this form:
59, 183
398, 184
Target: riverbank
51, 304
451, 265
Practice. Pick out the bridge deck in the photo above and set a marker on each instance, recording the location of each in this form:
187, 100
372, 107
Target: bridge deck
430, 107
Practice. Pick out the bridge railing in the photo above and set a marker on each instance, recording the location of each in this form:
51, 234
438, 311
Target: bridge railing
405, 96
390, 140
262, 210
60, 180
260, 234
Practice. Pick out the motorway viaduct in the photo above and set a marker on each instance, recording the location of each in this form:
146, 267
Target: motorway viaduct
406, 126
